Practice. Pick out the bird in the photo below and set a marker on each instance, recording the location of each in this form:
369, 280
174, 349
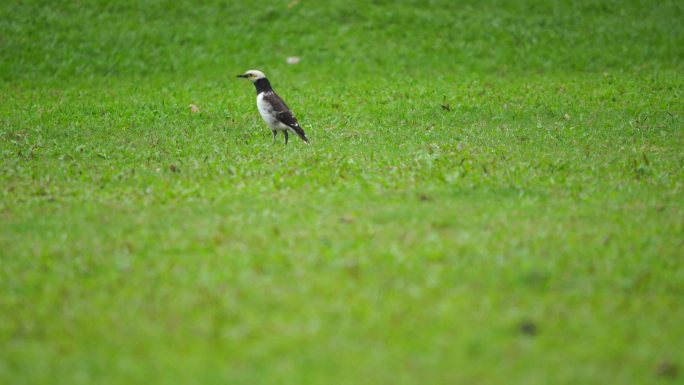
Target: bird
272, 108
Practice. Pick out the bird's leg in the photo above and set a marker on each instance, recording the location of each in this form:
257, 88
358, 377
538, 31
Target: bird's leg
274, 135
286, 136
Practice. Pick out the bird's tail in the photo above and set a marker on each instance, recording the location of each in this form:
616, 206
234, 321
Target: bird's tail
298, 130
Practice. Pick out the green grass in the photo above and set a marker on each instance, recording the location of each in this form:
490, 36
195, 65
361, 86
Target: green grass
531, 233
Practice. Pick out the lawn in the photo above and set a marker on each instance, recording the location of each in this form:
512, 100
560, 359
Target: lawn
494, 193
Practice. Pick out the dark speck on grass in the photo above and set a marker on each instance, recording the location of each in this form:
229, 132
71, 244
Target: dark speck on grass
446, 107
534, 279
424, 198
174, 168
528, 328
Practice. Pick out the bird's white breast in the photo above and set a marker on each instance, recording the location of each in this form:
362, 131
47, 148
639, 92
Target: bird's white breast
267, 113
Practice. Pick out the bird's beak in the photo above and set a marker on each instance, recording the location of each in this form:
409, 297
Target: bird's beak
242, 76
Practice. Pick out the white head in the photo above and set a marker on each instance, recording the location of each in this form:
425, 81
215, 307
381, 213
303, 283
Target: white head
253, 75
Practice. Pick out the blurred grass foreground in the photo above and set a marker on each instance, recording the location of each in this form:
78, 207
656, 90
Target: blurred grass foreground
493, 193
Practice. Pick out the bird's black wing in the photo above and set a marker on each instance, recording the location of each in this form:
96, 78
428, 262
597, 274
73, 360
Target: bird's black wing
284, 115
280, 109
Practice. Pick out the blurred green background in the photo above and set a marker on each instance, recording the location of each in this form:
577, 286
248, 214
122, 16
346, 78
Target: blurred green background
89, 39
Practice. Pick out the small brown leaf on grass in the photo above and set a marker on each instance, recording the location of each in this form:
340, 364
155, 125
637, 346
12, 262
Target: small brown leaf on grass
173, 168
353, 269
193, 108
347, 219
667, 368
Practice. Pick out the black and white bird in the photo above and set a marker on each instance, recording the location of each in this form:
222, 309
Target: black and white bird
272, 108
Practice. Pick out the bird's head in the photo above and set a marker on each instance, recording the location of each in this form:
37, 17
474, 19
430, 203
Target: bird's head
253, 75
